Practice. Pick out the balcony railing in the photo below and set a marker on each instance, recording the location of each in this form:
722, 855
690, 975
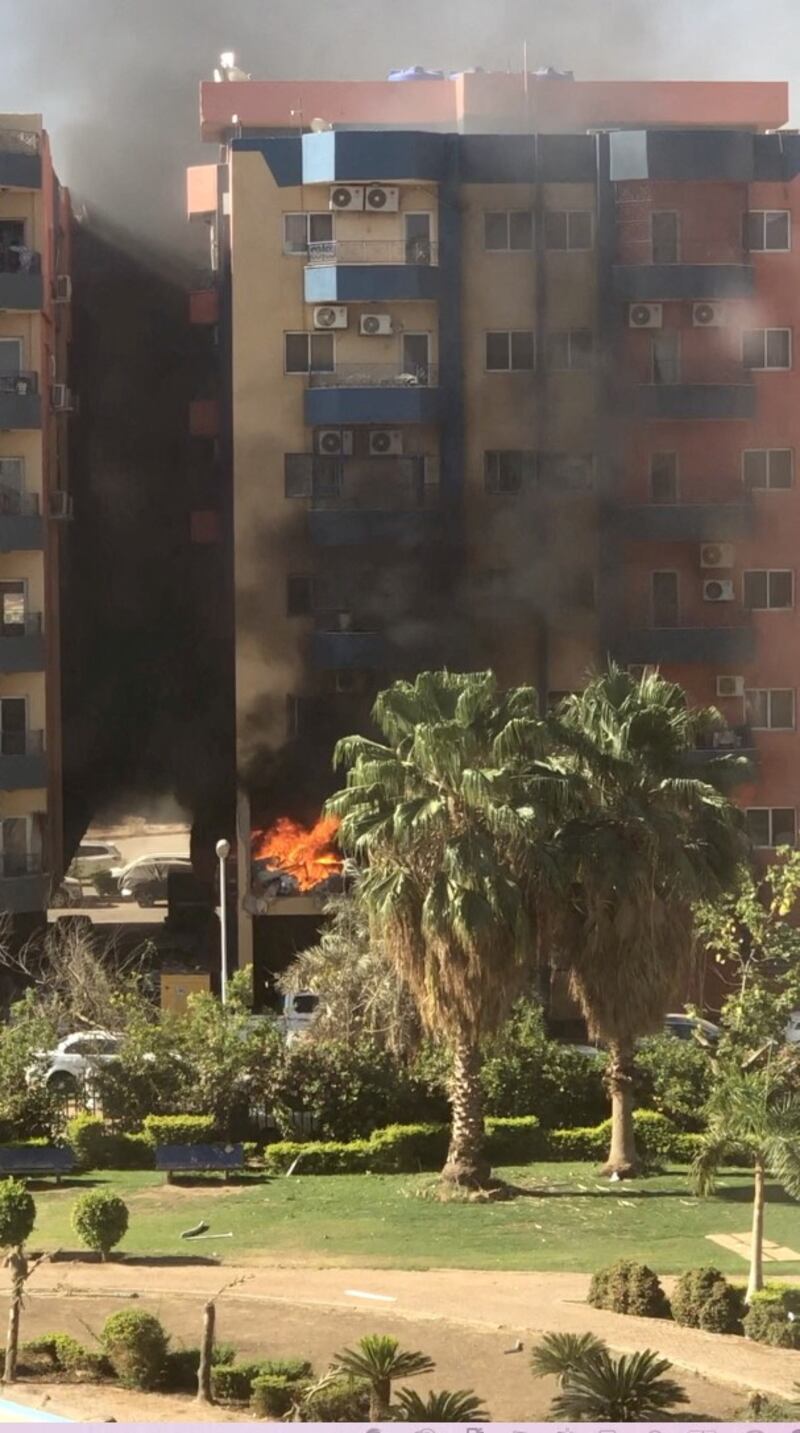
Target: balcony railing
28, 625
374, 251
729, 739
19, 259
14, 503
14, 864
20, 383
377, 375
21, 743
375, 483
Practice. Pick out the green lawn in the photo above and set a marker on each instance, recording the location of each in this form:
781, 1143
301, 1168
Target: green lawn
570, 1220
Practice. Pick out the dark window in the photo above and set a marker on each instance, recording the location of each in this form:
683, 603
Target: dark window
665, 599
664, 232
570, 350
771, 825
664, 477
768, 229
308, 352
522, 350
300, 230
568, 229
770, 709
520, 229
666, 356
768, 468
299, 594
505, 230
506, 471
509, 350
767, 348
767, 591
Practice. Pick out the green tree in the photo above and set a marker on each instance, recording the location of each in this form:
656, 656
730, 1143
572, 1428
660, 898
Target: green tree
630, 1389
439, 815
380, 1360
750, 1110
560, 1355
646, 841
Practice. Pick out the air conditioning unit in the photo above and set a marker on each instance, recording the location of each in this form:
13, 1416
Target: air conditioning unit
386, 201
347, 196
62, 289
709, 315
385, 442
730, 686
334, 442
60, 506
61, 398
646, 315
717, 554
327, 316
716, 591
376, 325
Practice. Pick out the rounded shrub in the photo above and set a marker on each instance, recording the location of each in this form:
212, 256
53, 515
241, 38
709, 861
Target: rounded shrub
100, 1219
182, 1366
703, 1299
17, 1214
340, 1400
767, 1319
136, 1347
629, 1288
86, 1137
271, 1396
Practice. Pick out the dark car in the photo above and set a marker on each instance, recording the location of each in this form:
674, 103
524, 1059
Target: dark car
145, 880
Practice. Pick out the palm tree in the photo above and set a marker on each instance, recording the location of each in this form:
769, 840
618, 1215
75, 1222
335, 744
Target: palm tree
750, 1110
440, 816
647, 839
380, 1360
630, 1389
560, 1355
462, 1406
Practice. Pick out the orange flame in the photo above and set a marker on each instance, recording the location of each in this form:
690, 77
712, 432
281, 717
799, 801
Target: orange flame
308, 855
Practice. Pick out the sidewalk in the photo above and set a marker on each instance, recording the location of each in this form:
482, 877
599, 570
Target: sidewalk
522, 1303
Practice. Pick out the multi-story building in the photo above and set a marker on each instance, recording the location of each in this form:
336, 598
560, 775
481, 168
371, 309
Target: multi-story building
506, 378
35, 293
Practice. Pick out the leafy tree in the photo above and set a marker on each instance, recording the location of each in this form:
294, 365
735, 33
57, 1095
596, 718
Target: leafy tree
630, 1389
751, 1111
646, 841
380, 1360
436, 813
675, 1078
560, 1355
524, 1072
463, 1406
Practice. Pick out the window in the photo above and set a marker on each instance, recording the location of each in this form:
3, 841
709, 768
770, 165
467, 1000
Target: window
771, 710
568, 229
13, 597
504, 230
308, 352
770, 825
417, 230
767, 348
300, 230
570, 350
299, 594
12, 484
13, 726
664, 589
768, 229
664, 477
768, 591
768, 468
568, 472
10, 361
664, 237
505, 471
665, 349
509, 350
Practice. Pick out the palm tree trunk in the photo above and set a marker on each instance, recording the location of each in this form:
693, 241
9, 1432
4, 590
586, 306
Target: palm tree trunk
380, 1396
756, 1281
622, 1159
466, 1161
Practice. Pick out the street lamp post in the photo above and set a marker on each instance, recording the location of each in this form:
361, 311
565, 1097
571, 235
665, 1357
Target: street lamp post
223, 852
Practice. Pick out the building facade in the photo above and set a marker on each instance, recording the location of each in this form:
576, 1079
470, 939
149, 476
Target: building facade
35, 401
505, 378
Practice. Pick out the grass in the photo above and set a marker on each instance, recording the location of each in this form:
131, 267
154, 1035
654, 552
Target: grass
569, 1220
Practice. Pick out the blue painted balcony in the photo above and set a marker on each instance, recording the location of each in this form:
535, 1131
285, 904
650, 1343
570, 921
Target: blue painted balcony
24, 885
371, 270
656, 283
341, 650
696, 401
23, 765
22, 645
696, 154
376, 393
20, 404
673, 646
684, 522
21, 528
20, 159
21, 287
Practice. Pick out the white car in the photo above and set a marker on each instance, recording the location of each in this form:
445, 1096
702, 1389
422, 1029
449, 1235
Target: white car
66, 1067
94, 858
793, 1028
298, 1013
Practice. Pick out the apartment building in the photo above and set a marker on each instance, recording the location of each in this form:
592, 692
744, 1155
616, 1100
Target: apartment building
35, 294
505, 377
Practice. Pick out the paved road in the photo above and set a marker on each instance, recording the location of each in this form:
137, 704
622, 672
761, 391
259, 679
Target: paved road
132, 842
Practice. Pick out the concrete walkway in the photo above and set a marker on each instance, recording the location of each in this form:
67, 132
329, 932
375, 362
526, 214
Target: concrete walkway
523, 1303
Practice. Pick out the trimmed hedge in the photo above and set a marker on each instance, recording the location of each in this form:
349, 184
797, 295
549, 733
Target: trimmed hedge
233, 1382
182, 1366
341, 1400
178, 1129
627, 1287
767, 1319
405, 1149
271, 1396
703, 1299
95, 1146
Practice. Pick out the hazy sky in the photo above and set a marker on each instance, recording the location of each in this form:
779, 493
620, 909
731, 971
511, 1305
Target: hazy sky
117, 79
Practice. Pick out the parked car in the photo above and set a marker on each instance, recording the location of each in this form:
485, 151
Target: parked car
65, 1068
681, 1027
68, 893
93, 857
145, 879
793, 1028
298, 1013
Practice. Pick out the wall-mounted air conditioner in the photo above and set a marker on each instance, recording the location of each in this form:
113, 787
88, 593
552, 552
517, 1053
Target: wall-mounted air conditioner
376, 325
62, 289
382, 200
334, 442
645, 315
330, 316
60, 505
716, 591
707, 315
730, 686
347, 196
61, 398
717, 554
385, 442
